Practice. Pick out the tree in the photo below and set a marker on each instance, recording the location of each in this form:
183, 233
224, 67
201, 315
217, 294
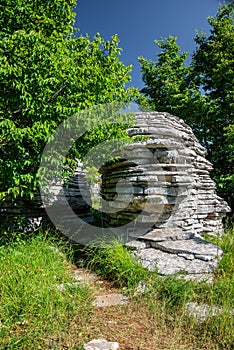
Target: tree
45, 16
202, 92
213, 71
46, 75
165, 80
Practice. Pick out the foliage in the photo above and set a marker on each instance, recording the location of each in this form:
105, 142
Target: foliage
202, 92
34, 312
228, 179
115, 262
45, 16
170, 293
165, 80
46, 75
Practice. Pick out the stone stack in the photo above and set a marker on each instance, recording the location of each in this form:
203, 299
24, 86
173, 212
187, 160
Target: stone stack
162, 185
26, 215
166, 175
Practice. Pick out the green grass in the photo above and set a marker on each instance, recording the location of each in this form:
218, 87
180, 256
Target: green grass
32, 309
34, 314
170, 295
115, 262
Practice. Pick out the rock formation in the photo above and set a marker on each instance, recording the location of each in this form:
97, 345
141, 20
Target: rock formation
162, 184
26, 215
159, 193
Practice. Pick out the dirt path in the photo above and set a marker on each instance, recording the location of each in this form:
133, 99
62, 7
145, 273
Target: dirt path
131, 323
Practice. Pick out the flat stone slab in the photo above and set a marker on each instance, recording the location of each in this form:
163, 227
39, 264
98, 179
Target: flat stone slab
169, 264
110, 300
137, 244
84, 275
201, 278
101, 344
200, 312
196, 246
170, 234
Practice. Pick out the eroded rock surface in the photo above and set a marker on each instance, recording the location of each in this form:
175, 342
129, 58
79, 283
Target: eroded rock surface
162, 184
31, 213
201, 312
169, 178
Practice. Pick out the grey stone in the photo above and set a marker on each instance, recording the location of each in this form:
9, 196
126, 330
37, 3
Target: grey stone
170, 171
174, 193
200, 312
64, 286
101, 344
76, 192
157, 235
137, 244
168, 264
187, 256
84, 275
110, 300
196, 246
142, 288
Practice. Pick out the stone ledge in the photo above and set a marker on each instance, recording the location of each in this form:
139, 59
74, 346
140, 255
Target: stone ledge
196, 246
158, 235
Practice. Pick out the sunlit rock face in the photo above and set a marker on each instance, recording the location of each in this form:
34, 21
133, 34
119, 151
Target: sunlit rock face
162, 184
166, 176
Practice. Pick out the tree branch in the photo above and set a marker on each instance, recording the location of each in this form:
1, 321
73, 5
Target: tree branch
51, 99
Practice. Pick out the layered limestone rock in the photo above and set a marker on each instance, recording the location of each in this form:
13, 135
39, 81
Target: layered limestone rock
162, 184
166, 174
192, 258
25, 215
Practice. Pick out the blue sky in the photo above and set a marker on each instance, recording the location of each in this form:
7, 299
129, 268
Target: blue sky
139, 23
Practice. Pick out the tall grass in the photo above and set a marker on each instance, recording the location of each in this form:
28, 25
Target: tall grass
32, 308
115, 262
170, 294
35, 314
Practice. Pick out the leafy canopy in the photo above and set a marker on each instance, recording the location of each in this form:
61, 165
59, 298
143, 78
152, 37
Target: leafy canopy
201, 93
41, 15
46, 75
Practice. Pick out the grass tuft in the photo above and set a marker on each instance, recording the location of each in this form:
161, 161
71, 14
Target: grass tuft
115, 262
32, 308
